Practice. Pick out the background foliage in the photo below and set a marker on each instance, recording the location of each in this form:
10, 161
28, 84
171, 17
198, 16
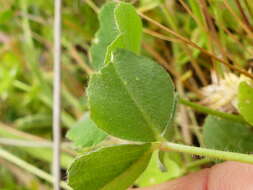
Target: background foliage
222, 27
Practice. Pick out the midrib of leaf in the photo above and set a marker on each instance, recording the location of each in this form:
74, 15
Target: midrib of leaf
145, 116
125, 174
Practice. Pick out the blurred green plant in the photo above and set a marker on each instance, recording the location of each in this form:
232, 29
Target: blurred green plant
221, 29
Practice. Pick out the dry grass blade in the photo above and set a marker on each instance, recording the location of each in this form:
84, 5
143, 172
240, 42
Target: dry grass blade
188, 10
160, 36
245, 18
213, 36
189, 42
80, 61
242, 24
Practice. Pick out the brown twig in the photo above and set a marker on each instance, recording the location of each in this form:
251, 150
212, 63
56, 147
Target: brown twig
242, 24
80, 61
187, 50
188, 10
244, 17
160, 36
211, 28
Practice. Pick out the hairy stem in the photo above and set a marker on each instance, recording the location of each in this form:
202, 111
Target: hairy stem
211, 153
198, 163
207, 110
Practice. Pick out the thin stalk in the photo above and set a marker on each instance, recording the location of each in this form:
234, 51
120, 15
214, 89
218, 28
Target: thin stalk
194, 16
197, 10
242, 24
243, 14
198, 163
26, 166
207, 110
196, 129
57, 96
211, 153
75, 55
177, 49
92, 5
249, 7
212, 33
174, 25
161, 36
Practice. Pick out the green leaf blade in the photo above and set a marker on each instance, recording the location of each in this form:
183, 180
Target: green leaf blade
114, 168
120, 27
154, 175
245, 101
132, 98
130, 26
85, 133
223, 134
105, 35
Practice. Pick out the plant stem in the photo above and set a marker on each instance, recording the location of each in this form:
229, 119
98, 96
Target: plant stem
92, 5
36, 171
207, 110
198, 163
211, 153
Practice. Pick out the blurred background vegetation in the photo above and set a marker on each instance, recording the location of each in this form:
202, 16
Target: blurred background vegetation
223, 27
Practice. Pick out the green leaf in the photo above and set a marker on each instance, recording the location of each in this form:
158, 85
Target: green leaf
116, 44
227, 135
169, 133
132, 98
245, 101
153, 173
105, 35
111, 168
167, 158
130, 27
85, 133
120, 27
